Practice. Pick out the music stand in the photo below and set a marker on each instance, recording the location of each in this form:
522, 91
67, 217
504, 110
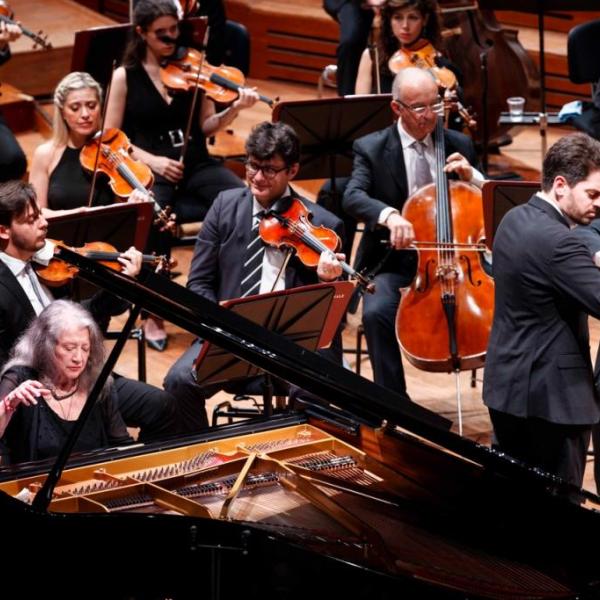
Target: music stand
121, 225
309, 316
327, 129
499, 197
539, 7
96, 49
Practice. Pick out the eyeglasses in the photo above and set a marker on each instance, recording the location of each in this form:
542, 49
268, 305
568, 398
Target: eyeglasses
435, 107
268, 171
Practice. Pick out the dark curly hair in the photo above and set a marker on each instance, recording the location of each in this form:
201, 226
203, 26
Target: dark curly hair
388, 43
268, 139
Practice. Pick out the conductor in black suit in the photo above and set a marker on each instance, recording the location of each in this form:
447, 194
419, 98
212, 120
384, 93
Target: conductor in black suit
539, 385
389, 165
230, 260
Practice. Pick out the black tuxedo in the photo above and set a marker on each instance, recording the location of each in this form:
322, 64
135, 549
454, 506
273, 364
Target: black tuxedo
379, 181
216, 274
538, 376
140, 404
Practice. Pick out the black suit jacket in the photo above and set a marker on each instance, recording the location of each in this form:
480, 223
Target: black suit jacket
16, 311
538, 361
378, 181
216, 268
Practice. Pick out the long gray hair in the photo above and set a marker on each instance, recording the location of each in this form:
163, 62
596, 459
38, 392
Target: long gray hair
36, 346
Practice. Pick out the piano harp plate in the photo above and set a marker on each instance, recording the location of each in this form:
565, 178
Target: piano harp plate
306, 486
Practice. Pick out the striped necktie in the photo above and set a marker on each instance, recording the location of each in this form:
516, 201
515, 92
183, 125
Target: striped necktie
253, 261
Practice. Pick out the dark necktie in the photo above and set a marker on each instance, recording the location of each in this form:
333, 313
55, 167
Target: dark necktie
422, 170
253, 260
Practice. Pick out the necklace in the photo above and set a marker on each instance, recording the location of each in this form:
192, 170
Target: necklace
64, 396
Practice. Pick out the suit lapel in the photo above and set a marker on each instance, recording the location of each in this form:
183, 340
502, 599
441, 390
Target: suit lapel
9, 282
243, 220
394, 159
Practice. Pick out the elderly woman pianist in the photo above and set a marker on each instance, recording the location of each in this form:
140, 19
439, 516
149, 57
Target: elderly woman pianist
44, 386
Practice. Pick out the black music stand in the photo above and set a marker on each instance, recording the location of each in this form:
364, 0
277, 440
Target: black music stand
309, 316
327, 129
499, 197
539, 7
121, 225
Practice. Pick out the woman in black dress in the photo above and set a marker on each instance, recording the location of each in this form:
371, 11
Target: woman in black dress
45, 385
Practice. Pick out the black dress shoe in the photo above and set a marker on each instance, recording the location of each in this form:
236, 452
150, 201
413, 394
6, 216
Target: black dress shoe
158, 345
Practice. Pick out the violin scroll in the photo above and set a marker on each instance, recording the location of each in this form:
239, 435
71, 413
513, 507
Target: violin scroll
7, 16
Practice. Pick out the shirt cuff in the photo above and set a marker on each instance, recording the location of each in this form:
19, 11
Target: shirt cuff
477, 178
385, 213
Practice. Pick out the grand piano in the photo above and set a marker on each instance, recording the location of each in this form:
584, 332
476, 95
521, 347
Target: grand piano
360, 495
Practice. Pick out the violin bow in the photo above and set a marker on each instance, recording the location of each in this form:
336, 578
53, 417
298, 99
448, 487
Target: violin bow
188, 129
101, 133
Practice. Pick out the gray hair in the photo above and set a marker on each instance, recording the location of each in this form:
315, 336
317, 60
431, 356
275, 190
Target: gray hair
36, 346
78, 80
408, 76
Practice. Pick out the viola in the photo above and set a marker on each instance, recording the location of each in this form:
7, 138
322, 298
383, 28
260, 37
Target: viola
58, 273
7, 16
293, 228
111, 154
221, 84
444, 319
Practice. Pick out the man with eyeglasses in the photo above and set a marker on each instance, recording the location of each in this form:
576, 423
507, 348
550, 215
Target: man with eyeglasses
389, 166
223, 263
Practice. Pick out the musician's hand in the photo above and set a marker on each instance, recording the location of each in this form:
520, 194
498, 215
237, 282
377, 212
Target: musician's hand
139, 196
131, 262
171, 170
329, 267
457, 163
248, 97
9, 32
26, 393
402, 233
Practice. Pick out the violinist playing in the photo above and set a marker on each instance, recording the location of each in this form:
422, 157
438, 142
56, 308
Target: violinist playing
61, 183
389, 166
231, 261
155, 119
411, 36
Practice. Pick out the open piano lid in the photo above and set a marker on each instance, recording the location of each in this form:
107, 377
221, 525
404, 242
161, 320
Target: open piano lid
416, 511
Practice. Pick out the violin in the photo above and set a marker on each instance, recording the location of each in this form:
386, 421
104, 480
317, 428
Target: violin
293, 228
221, 84
7, 16
58, 273
111, 155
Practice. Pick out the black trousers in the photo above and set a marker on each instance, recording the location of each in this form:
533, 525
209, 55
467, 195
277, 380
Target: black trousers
355, 25
379, 321
13, 163
558, 449
145, 406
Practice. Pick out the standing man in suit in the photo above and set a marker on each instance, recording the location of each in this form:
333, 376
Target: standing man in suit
388, 168
23, 231
538, 384
230, 261
355, 18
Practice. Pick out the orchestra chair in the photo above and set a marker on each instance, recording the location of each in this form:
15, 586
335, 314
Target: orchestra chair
583, 46
136, 334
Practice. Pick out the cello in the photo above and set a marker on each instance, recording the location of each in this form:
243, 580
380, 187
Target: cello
444, 320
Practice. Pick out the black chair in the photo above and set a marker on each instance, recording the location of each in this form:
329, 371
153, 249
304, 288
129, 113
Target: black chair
583, 47
237, 46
